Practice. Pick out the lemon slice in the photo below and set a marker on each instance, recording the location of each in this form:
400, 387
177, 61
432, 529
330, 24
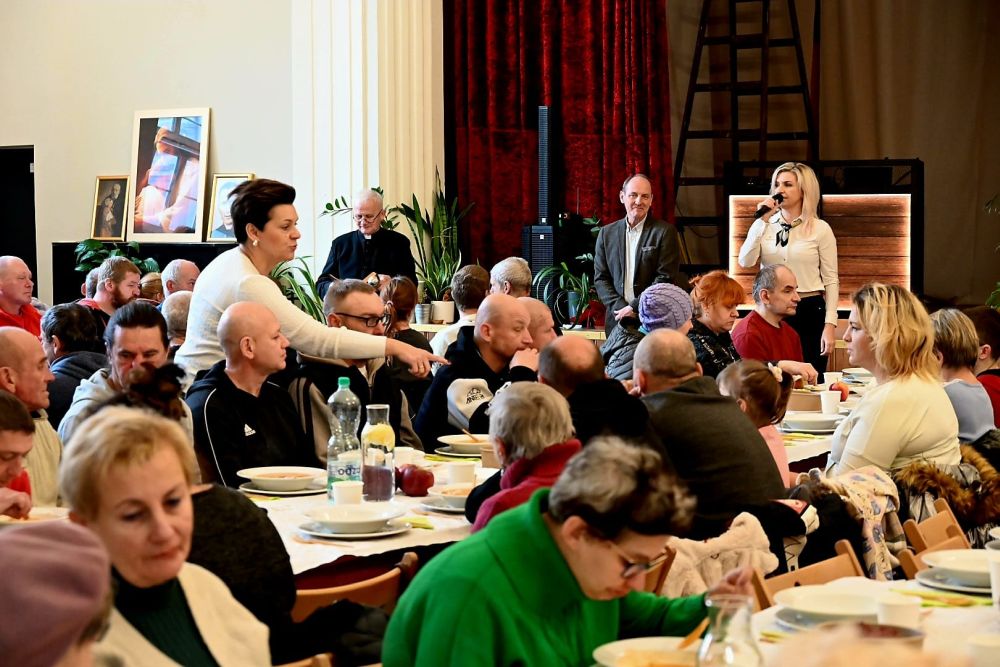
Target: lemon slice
380, 435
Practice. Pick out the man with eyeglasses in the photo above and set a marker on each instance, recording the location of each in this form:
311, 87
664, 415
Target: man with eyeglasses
634, 252
354, 305
547, 582
369, 249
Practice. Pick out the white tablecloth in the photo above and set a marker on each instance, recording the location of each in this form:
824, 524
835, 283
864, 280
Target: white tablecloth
946, 627
800, 450
287, 514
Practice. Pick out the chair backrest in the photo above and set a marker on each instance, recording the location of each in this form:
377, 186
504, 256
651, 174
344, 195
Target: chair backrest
933, 530
844, 564
656, 576
911, 562
380, 591
321, 660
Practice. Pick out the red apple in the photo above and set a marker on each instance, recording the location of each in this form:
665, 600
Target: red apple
844, 390
416, 480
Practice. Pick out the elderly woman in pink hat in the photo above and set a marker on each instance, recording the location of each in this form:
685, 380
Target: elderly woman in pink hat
661, 306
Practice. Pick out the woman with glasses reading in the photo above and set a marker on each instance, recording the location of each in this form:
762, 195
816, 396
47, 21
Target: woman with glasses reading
791, 234
370, 253
547, 582
266, 227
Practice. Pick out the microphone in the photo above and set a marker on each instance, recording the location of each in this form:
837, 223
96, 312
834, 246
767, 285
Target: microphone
778, 197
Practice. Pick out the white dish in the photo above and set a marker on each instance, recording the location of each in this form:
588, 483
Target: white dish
463, 444
363, 518
38, 514
858, 372
827, 602
438, 505
995, 533
267, 477
609, 655
793, 620
438, 492
248, 487
448, 451
935, 578
810, 431
314, 529
811, 420
968, 566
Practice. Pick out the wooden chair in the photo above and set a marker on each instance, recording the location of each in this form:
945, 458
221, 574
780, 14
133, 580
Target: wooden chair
658, 575
321, 660
911, 562
381, 591
934, 530
844, 564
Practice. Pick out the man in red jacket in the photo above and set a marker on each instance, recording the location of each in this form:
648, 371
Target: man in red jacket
15, 296
16, 438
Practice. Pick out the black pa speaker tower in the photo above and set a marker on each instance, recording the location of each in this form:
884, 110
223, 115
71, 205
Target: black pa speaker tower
537, 242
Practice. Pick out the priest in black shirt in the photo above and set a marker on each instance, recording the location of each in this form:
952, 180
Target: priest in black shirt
369, 249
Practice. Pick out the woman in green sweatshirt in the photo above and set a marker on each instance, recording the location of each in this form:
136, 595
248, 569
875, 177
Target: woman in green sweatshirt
548, 582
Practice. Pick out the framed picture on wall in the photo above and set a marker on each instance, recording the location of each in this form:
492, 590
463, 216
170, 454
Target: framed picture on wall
220, 224
109, 208
169, 159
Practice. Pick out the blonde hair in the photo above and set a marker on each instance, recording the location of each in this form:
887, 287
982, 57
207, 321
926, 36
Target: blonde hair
807, 184
528, 417
116, 436
955, 338
899, 328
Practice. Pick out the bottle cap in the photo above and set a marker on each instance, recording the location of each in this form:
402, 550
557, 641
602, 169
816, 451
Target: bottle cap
343, 382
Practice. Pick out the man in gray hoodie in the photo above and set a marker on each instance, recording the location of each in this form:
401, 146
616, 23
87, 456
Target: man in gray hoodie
74, 350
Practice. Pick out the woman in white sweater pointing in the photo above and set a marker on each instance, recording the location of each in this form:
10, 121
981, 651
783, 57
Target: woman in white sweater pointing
266, 227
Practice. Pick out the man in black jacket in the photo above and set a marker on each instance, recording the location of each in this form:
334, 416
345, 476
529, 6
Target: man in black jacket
240, 419
714, 447
369, 249
484, 359
74, 349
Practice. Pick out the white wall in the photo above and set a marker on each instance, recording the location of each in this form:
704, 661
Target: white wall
73, 73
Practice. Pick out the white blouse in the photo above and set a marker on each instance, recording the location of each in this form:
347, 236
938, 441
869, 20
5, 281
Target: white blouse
811, 255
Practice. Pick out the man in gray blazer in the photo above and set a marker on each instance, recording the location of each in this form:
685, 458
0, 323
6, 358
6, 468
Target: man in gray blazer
633, 253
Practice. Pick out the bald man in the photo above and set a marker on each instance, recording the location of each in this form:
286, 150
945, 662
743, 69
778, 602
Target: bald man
241, 419
15, 296
24, 372
484, 360
715, 448
541, 326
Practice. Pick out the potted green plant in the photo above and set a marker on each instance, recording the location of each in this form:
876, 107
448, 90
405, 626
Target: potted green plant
297, 284
91, 253
568, 294
438, 254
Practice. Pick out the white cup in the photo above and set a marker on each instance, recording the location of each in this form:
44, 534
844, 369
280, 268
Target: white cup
830, 402
830, 377
983, 649
900, 610
993, 558
404, 455
993, 545
461, 472
347, 492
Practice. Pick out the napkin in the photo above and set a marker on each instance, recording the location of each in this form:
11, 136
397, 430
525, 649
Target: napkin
418, 522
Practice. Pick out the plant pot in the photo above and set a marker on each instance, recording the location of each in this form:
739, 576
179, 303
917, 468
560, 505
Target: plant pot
442, 312
423, 313
572, 304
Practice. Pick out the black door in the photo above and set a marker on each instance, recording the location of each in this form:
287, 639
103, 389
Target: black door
17, 205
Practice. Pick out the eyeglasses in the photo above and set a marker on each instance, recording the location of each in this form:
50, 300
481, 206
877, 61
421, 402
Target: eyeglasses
369, 320
631, 567
367, 218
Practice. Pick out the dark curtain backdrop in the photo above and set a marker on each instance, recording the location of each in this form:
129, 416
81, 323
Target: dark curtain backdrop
601, 65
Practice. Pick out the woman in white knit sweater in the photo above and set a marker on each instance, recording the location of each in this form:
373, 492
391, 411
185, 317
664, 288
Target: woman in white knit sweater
266, 227
907, 416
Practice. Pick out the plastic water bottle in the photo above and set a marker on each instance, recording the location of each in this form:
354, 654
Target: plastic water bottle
343, 452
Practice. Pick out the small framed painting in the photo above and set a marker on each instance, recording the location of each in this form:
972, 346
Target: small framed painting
220, 224
109, 208
169, 159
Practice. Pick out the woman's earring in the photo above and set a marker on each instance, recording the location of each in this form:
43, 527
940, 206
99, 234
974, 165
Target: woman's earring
256, 242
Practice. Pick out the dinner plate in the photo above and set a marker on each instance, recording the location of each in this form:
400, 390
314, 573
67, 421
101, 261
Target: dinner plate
968, 566
826, 602
813, 420
314, 529
858, 372
810, 431
448, 451
248, 487
793, 620
439, 505
37, 515
611, 654
995, 533
463, 444
934, 578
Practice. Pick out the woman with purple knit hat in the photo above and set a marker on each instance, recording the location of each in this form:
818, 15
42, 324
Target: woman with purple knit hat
661, 306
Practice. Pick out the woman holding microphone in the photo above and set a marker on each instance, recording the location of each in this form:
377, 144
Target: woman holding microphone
789, 233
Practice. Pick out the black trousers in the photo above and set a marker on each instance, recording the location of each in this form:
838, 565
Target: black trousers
808, 321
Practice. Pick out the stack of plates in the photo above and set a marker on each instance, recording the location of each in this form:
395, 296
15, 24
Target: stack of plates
355, 522
805, 607
958, 570
811, 422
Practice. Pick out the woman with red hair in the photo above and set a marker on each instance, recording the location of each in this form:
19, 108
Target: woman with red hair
715, 296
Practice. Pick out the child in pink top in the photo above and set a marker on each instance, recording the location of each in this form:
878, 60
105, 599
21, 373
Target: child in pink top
762, 392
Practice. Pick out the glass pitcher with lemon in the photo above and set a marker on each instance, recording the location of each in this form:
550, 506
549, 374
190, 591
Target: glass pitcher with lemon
378, 441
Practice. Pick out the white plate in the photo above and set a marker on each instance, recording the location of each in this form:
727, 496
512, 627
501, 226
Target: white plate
248, 487
935, 578
463, 444
827, 602
969, 566
810, 431
793, 620
858, 372
995, 533
305, 480
813, 420
37, 515
361, 518
609, 654
448, 451
436, 492
314, 529
437, 505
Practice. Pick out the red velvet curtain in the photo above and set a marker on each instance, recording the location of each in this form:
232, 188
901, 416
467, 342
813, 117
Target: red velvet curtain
601, 67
